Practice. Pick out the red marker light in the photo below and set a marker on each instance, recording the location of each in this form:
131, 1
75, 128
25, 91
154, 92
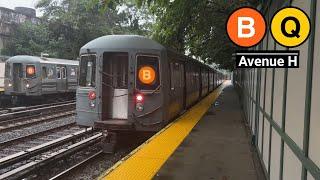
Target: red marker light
92, 95
139, 98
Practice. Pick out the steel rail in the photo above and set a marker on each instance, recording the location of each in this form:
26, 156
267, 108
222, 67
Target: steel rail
7, 110
14, 140
5, 127
34, 151
30, 111
67, 172
23, 108
36, 164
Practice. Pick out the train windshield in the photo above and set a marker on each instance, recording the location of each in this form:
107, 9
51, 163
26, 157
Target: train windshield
87, 71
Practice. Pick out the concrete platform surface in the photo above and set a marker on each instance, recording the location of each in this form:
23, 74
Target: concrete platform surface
218, 148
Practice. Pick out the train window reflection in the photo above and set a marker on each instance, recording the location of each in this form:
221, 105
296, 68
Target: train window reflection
87, 71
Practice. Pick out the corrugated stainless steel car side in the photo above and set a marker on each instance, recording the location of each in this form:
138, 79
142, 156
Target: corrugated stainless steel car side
183, 81
41, 83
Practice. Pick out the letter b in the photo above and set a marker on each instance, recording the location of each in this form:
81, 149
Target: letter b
242, 26
146, 75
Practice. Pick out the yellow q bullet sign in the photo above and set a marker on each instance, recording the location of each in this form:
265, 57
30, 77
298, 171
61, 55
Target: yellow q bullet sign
290, 26
147, 75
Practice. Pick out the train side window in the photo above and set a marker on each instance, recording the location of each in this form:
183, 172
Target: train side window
64, 73
50, 73
58, 73
44, 73
147, 72
73, 72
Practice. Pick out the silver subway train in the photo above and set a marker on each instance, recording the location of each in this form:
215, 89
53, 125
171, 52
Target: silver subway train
30, 76
132, 83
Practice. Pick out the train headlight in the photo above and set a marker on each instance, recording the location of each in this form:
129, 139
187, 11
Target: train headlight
139, 107
27, 85
139, 98
9, 85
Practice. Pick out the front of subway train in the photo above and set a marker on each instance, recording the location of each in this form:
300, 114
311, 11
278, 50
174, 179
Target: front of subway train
119, 74
21, 76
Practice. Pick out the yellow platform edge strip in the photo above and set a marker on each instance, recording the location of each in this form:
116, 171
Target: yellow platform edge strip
146, 160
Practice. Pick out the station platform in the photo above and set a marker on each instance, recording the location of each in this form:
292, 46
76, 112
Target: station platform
209, 141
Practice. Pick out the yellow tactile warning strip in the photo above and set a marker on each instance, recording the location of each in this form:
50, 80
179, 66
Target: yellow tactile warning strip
1, 89
145, 161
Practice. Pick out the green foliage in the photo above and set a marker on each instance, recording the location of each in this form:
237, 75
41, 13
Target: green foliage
28, 39
196, 27
67, 25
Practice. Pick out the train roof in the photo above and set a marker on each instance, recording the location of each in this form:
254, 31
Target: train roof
120, 42
44, 60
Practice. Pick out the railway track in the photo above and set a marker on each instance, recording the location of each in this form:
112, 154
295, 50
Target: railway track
24, 163
71, 154
21, 119
71, 170
4, 111
94, 165
35, 138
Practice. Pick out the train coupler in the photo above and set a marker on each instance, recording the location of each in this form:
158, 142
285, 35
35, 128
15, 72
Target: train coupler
109, 142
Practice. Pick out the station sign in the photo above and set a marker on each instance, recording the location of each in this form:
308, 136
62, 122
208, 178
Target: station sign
267, 59
246, 27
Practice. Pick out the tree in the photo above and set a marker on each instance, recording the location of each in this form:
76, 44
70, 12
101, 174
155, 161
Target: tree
195, 27
28, 39
73, 23
67, 25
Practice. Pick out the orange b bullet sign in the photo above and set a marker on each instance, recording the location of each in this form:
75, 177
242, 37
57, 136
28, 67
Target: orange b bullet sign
246, 27
147, 75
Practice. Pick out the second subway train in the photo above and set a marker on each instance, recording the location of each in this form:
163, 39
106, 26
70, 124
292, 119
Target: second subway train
131, 83
30, 77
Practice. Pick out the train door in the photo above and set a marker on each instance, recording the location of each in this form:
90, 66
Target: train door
17, 75
176, 89
115, 86
61, 78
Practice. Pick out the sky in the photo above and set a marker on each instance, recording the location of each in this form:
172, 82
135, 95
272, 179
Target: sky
11, 4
